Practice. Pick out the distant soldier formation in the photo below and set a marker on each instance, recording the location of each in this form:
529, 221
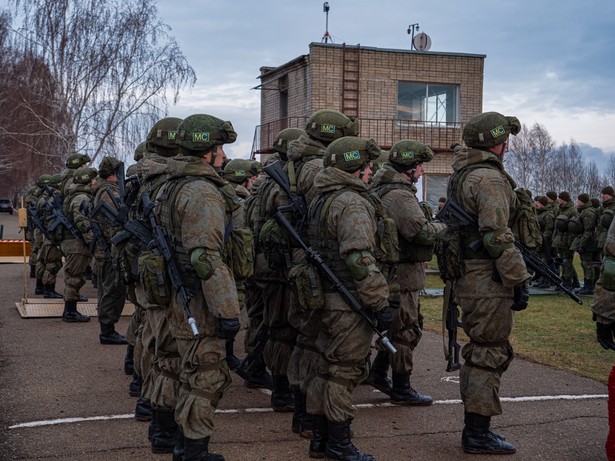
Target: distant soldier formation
319, 254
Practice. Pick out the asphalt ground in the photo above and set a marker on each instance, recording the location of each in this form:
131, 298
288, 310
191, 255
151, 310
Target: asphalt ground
63, 396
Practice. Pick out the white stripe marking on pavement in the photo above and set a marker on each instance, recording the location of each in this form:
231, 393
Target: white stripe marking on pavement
535, 398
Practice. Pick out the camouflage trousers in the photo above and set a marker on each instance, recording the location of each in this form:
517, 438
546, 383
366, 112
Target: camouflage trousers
74, 274
406, 331
344, 343
488, 323
137, 316
569, 273
49, 263
111, 292
304, 356
166, 362
205, 377
591, 265
282, 336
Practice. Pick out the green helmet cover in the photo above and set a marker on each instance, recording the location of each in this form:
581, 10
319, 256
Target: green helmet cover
200, 133
327, 125
74, 161
107, 166
161, 139
284, 137
238, 170
84, 175
140, 151
408, 153
490, 129
43, 180
350, 153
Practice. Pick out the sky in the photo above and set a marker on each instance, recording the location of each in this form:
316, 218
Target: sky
551, 63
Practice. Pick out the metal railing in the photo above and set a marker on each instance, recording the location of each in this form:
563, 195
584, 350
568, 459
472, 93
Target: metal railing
438, 135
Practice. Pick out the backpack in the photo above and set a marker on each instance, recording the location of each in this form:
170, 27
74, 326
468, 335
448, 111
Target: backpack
275, 244
240, 253
524, 222
154, 277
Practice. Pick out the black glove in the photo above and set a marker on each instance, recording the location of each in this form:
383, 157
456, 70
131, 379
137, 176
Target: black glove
227, 328
521, 297
384, 318
604, 334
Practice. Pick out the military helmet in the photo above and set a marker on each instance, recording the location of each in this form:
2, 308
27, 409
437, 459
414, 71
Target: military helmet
283, 139
238, 170
382, 160
74, 161
140, 151
350, 153
55, 179
107, 166
200, 133
84, 175
43, 180
408, 154
327, 125
161, 138
490, 129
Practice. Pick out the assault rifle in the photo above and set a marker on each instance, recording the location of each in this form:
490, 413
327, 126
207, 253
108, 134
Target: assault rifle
161, 243
35, 219
99, 236
453, 212
57, 215
297, 203
452, 323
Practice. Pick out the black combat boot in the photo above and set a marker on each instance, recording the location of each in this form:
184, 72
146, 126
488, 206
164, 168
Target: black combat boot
143, 410
198, 450
153, 425
588, 288
108, 335
134, 388
164, 438
478, 439
302, 420
378, 373
178, 450
339, 445
282, 400
129, 360
318, 442
32, 271
403, 394
259, 377
71, 315
39, 289
231, 359
49, 292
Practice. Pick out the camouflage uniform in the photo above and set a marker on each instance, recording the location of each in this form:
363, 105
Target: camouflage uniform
111, 287
33, 235
495, 280
50, 255
342, 228
76, 250
585, 242
417, 235
562, 238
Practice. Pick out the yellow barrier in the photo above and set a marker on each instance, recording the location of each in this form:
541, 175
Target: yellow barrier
14, 248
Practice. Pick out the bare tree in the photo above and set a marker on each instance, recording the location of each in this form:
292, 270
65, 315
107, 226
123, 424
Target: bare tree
543, 150
594, 181
519, 163
112, 65
609, 176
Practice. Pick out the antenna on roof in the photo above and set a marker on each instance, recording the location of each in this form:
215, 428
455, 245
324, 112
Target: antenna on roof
420, 42
411, 29
326, 37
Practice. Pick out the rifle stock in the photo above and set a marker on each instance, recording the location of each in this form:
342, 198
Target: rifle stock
161, 242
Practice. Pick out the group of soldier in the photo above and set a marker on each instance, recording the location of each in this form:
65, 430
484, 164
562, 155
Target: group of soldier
575, 226
205, 247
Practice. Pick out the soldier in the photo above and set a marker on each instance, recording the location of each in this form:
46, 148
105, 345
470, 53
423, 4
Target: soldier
441, 203
111, 288
562, 238
195, 207
606, 217
342, 227
495, 279
50, 256
395, 185
33, 234
242, 174
546, 221
75, 249
584, 242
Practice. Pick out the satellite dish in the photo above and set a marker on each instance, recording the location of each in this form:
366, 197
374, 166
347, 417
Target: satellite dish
422, 42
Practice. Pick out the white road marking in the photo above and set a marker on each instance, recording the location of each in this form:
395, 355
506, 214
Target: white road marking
529, 398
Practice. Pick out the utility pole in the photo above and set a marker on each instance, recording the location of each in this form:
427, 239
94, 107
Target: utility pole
411, 29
